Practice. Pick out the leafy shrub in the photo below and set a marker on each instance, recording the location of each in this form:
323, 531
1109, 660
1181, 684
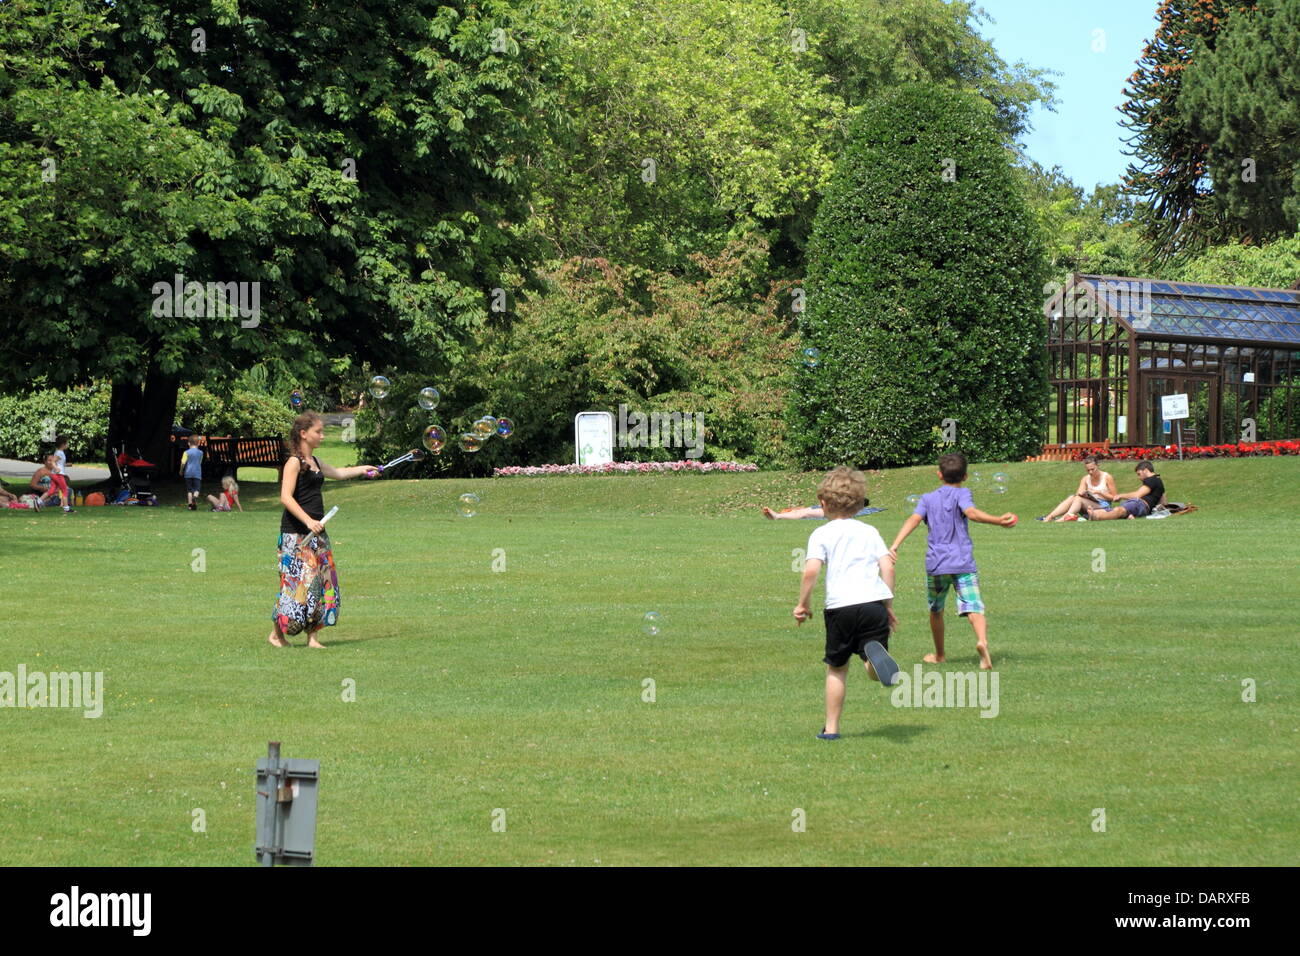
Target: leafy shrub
245, 414
923, 293
29, 422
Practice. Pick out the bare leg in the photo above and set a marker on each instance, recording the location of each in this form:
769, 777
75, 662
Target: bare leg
311, 638
936, 631
980, 625
1060, 509
794, 513
834, 697
871, 671
276, 638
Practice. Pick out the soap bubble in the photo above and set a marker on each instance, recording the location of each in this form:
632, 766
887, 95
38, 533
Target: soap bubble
913, 500
812, 357
652, 622
296, 399
434, 438
1001, 481
428, 398
485, 427
505, 427
470, 442
467, 504
379, 386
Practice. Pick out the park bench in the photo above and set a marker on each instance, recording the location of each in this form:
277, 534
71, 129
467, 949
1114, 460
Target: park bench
1068, 451
225, 456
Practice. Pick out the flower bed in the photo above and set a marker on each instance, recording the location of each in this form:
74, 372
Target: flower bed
622, 468
1240, 450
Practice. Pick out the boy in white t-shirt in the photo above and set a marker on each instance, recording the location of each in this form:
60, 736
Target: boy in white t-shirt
859, 589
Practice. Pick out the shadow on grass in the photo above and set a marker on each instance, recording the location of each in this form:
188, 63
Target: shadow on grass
900, 733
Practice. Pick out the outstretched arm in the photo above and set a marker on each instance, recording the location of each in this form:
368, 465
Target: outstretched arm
908, 527
983, 517
341, 474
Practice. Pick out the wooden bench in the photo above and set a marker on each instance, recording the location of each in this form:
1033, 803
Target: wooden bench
225, 456
1068, 451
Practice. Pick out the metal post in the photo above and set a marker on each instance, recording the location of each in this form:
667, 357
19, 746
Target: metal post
1180, 439
273, 778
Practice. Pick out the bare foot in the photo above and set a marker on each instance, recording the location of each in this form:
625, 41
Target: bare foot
312, 642
767, 513
986, 663
277, 641
933, 658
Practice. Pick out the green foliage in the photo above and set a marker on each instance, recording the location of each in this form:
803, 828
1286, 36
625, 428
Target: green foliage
1170, 158
1093, 234
28, 422
1275, 265
1279, 412
741, 107
924, 294
602, 336
1242, 98
243, 413
230, 164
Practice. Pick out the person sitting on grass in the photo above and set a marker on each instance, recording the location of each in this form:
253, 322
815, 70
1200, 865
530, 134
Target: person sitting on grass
48, 483
1096, 490
859, 590
10, 500
229, 496
1140, 503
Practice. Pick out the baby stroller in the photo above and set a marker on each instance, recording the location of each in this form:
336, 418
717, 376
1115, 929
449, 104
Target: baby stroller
134, 479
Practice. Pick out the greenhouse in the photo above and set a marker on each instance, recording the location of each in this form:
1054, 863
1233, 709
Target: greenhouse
1117, 345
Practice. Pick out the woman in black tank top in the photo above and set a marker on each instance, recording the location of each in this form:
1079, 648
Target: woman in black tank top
309, 584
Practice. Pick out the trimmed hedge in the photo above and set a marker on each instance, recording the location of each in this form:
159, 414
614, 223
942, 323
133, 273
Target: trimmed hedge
923, 293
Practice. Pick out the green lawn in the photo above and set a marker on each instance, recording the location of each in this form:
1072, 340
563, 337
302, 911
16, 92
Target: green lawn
522, 690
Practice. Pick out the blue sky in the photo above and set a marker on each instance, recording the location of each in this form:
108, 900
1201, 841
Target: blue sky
1083, 136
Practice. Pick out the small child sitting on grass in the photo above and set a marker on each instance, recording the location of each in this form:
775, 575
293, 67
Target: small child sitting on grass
859, 590
47, 483
229, 496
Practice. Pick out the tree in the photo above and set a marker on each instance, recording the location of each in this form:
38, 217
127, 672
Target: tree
1170, 164
742, 109
201, 139
924, 293
1242, 99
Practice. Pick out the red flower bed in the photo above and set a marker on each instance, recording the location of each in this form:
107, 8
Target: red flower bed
1240, 450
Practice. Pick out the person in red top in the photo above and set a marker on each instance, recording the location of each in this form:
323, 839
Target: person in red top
229, 499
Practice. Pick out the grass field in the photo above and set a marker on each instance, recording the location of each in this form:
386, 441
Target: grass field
523, 689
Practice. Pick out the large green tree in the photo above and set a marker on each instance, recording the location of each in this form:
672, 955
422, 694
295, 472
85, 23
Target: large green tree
924, 293
741, 108
1169, 167
1242, 98
363, 163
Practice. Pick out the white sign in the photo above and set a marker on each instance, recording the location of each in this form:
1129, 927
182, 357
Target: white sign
1173, 407
593, 438
1121, 426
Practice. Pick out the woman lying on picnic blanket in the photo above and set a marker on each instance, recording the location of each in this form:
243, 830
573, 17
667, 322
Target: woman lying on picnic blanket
814, 512
1096, 490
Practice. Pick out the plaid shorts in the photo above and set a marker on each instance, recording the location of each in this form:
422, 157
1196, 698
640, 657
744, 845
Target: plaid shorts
966, 585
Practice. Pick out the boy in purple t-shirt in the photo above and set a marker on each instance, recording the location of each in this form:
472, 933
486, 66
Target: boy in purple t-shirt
950, 555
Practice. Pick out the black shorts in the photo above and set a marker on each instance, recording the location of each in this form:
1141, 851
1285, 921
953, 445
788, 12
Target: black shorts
849, 628
192, 485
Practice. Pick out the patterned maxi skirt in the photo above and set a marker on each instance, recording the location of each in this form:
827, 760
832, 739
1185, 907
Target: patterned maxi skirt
309, 584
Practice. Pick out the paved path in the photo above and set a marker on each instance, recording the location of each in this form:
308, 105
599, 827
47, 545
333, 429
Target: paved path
11, 468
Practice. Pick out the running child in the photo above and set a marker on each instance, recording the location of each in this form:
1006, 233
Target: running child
192, 469
229, 496
859, 590
950, 553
